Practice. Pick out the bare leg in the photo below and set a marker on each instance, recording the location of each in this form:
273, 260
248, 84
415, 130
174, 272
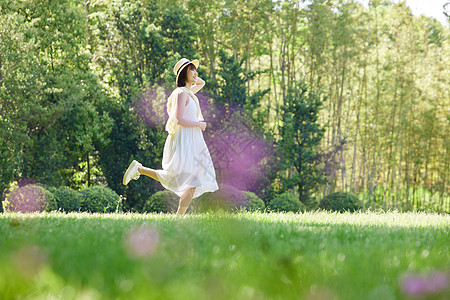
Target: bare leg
148, 172
185, 200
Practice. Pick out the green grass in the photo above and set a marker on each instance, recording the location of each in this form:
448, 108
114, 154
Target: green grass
316, 255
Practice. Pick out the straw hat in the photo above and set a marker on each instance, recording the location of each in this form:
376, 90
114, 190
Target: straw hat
181, 64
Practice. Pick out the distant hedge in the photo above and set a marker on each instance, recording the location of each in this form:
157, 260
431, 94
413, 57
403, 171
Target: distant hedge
67, 199
29, 198
162, 201
341, 202
100, 199
227, 198
33, 197
286, 202
252, 202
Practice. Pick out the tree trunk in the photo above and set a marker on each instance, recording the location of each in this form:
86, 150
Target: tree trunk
362, 85
273, 80
339, 129
88, 170
375, 142
1, 74
283, 67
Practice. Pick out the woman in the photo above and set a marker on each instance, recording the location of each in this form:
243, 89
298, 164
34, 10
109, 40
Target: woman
188, 170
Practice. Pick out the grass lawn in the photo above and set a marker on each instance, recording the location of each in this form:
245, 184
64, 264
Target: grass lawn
315, 255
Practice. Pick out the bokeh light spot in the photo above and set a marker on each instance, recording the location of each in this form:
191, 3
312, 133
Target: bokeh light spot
420, 285
30, 260
142, 241
320, 293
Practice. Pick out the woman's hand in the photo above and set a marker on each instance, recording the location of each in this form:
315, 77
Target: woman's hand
198, 85
202, 126
200, 81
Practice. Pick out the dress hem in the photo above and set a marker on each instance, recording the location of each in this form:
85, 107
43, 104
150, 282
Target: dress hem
205, 188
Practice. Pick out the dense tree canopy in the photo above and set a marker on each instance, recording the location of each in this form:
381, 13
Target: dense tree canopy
79, 82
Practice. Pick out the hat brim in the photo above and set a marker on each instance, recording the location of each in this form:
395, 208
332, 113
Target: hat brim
195, 62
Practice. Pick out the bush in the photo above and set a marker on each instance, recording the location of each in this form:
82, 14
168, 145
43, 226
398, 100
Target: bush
162, 201
29, 198
340, 202
100, 199
227, 198
68, 200
253, 202
286, 202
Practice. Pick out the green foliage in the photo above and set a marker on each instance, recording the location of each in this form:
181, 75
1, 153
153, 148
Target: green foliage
72, 72
179, 31
131, 138
57, 118
162, 201
252, 202
68, 200
100, 199
29, 198
340, 202
286, 202
301, 134
18, 99
123, 146
231, 87
227, 198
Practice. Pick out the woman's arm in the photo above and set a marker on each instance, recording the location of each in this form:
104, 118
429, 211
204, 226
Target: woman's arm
198, 86
179, 114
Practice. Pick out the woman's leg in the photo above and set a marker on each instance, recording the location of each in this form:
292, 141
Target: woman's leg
185, 200
148, 172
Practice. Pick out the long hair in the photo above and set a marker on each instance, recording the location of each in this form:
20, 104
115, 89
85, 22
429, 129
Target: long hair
183, 75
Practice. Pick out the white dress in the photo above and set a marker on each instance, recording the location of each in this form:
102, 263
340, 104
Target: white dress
186, 159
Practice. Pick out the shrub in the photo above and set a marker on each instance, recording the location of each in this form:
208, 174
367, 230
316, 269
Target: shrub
68, 200
340, 202
227, 198
100, 199
253, 202
286, 202
29, 198
162, 201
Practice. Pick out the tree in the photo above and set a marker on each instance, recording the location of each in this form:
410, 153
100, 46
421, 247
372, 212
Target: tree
230, 89
301, 135
51, 98
17, 73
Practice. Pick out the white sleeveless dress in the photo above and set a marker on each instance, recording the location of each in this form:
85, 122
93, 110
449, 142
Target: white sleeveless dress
186, 159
